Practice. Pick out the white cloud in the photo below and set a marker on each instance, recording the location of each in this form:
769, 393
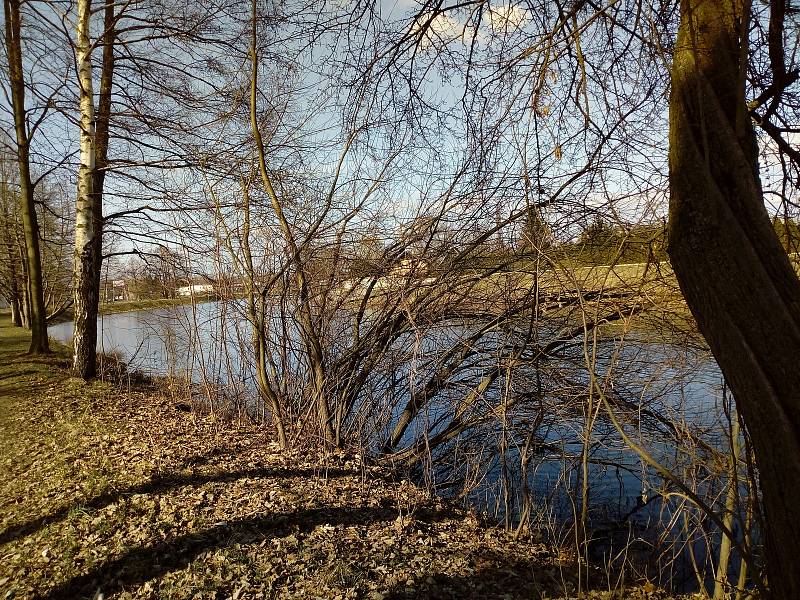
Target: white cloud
444, 28
437, 31
506, 17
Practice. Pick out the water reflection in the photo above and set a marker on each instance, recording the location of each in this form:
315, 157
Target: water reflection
179, 341
522, 462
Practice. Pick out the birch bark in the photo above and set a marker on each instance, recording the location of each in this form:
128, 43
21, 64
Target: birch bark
89, 210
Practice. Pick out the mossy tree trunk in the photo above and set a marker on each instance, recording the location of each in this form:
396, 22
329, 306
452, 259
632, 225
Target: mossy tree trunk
734, 274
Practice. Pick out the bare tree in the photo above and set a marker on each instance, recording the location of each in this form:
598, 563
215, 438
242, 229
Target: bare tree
38, 317
734, 274
12, 281
94, 142
360, 216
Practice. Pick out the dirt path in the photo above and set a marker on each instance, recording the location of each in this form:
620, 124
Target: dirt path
114, 493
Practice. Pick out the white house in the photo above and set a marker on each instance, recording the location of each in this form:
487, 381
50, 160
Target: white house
196, 289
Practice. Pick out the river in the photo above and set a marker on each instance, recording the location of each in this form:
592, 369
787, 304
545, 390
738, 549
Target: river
678, 392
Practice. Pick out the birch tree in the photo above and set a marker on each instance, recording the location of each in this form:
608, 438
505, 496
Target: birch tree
94, 136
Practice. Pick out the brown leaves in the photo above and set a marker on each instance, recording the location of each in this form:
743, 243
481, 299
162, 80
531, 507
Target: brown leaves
124, 494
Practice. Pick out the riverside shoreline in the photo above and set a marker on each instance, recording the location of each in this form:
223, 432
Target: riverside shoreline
118, 492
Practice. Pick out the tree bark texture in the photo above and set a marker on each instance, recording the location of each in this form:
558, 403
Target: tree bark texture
94, 133
734, 274
37, 314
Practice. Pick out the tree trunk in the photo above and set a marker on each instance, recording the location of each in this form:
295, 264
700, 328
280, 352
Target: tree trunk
94, 136
9, 203
16, 296
16, 312
308, 331
257, 315
721, 582
37, 315
734, 274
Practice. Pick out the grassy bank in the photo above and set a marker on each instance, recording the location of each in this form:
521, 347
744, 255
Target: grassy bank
110, 308
116, 493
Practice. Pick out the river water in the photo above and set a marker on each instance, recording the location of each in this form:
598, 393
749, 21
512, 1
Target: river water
682, 388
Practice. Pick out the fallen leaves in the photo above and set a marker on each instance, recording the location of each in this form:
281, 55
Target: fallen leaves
119, 495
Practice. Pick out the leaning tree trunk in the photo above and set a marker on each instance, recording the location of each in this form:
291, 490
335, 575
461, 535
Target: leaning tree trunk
308, 331
37, 313
730, 265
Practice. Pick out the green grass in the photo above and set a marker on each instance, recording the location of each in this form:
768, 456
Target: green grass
16, 366
110, 308
51, 459
43, 415
14, 339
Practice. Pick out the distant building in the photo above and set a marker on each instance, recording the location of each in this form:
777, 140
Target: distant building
196, 289
114, 291
118, 285
410, 264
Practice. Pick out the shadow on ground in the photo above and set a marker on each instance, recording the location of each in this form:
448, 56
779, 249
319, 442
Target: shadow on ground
515, 580
19, 369
144, 563
160, 485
